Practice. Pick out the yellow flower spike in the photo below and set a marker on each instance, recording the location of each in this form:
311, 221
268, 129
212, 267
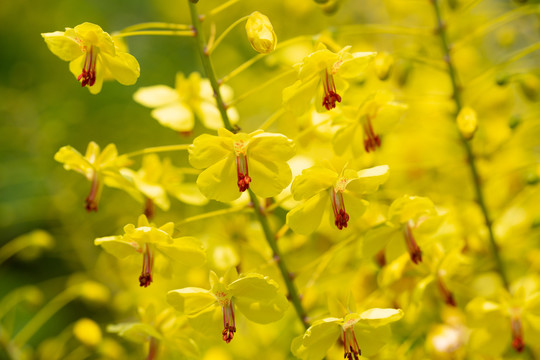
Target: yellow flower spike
260, 33
146, 239
191, 98
93, 55
256, 296
319, 185
324, 73
467, 122
100, 167
362, 334
237, 162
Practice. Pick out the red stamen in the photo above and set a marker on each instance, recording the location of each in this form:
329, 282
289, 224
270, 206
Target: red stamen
88, 74
148, 263
352, 350
517, 334
330, 93
412, 246
92, 199
229, 325
338, 206
371, 140
242, 173
447, 294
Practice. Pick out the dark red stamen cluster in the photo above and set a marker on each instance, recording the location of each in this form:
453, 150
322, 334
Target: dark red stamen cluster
352, 350
229, 326
371, 140
446, 293
148, 263
517, 335
338, 206
330, 93
414, 250
242, 173
88, 75
93, 198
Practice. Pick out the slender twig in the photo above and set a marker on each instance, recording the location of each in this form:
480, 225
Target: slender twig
156, 32
207, 64
157, 149
270, 239
213, 46
477, 182
155, 25
211, 214
222, 7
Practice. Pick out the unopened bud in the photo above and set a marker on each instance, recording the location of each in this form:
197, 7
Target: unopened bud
383, 63
514, 121
87, 332
530, 86
502, 79
260, 33
467, 122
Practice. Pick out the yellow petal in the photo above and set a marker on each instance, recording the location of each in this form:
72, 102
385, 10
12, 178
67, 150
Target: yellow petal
218, 182
306, 218
208, 149
155, 96
62, 46
176, 116
122, 66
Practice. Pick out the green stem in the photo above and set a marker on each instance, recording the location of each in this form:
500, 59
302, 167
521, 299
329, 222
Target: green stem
157, 32
468, 150
383, 29
211, 214
155, 25
207, 64
157, 149
213, 46
222, 7
43, 315
272, 119
254, 90
258, 57
270, 239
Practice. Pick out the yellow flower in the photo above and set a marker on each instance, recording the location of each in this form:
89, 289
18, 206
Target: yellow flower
325, 71
260, 33
93, 56
192, 98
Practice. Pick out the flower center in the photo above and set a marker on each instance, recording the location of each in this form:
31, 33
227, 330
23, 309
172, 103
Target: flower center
92, 199
88, 75
229, 326
330, 93
517, 334
350, 345
412, 246
242, 172
340, 215
148, 263
371, 140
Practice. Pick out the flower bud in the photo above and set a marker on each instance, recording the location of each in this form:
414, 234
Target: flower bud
260, 33
383, 64
530, 86
87, 332
467, 122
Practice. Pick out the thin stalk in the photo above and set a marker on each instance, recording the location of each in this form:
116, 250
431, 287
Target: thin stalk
207, 64
157, 149
213, 46
157, 32
271, 240
222, 7
155, 25
43, 315
258, 57
212, 214
272, 119
383, 29
255, 90
468, 150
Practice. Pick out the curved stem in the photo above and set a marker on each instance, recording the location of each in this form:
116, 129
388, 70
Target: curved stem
254, 90
258, 57
157, 149
468, 150
207, 64
213, 46
222, 7
270, 239
211, 214
383, 29
155, 25
272, 119
157, 32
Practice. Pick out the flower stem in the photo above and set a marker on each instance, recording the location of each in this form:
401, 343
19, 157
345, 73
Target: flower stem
43, 315
222, 7
468, 150
157, 149
211, 214
207, 64
155, 25
270, 239
213, 46
157, 32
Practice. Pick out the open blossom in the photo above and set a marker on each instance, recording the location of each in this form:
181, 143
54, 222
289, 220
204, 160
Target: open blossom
237, 162
360, 128
100, 167
257, 297
147, 240
362, 334
192, 98
323, 188
322, 74
93, 56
